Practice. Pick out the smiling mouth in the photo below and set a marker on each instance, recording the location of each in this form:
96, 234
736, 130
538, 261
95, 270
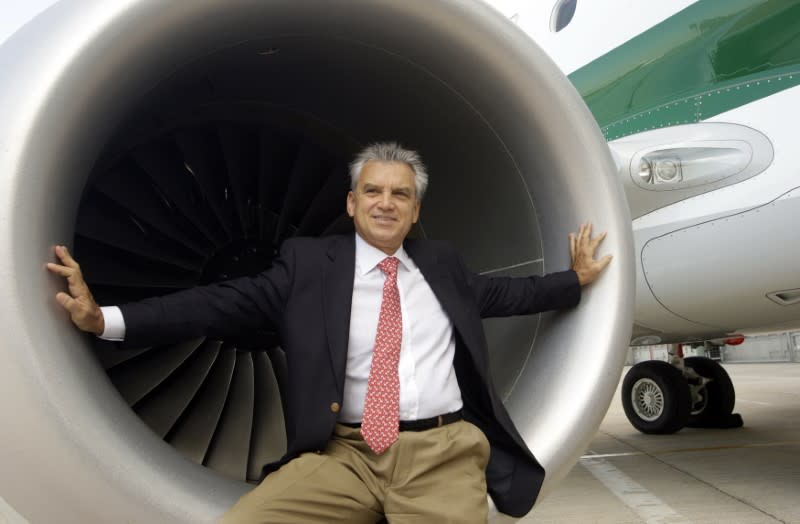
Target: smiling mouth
384, 219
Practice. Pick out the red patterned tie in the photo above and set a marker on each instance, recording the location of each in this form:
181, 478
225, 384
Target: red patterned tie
380, 422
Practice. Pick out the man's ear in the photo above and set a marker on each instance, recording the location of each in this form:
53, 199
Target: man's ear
417, 206
351, 204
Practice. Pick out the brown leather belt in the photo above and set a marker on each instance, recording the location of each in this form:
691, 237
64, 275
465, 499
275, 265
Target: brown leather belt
421, 424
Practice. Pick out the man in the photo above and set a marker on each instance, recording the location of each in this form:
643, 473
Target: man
391, 410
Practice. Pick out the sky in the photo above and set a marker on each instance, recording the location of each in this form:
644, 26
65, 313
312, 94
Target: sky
13, 14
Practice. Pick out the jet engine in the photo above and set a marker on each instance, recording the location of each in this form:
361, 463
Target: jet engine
172, 144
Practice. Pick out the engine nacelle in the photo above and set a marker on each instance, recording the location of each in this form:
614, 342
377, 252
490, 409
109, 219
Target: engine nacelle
154, 137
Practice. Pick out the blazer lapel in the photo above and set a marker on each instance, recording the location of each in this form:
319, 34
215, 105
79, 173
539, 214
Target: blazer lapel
337, 300
440, 278
456, 300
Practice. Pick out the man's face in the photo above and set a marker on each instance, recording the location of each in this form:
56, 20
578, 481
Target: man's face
384, 204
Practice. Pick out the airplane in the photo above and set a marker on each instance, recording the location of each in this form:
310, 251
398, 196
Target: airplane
695, 99
126, 112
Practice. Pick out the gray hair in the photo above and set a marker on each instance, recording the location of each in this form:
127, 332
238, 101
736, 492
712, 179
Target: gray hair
390, 152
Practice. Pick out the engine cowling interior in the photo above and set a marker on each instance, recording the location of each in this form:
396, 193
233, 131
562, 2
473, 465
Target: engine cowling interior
178, 145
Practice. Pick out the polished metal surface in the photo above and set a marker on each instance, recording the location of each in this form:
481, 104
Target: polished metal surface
517, 163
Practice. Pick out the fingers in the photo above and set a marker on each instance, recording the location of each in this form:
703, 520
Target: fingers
59, 270
68, 265
581, 234
71, 271
573, 245
78, 301
63, 254
603, 262
67, 302
584, 237
595, 242
76, 310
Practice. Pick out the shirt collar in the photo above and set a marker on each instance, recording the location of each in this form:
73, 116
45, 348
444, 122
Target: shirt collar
368, 257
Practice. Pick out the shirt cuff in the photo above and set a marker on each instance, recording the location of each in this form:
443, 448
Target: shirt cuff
114, 324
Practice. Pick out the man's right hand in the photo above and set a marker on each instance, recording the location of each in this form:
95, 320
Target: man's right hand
79, 302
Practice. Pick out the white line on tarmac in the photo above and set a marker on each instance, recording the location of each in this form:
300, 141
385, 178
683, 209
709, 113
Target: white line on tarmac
8, 515
650, 508
753, 402
670, 451
612, 455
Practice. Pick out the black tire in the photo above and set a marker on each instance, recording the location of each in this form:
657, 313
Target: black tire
656, 398
718, 395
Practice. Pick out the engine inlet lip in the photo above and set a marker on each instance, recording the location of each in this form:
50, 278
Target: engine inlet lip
71, 429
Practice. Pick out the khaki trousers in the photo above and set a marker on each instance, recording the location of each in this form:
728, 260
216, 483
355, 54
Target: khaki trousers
434, 476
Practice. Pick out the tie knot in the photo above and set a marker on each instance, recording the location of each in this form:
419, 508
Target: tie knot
389, 265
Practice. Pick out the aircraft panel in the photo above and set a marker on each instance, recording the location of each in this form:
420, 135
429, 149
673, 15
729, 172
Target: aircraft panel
752, 254
704, 60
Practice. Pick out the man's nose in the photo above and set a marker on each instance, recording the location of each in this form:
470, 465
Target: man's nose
386, 200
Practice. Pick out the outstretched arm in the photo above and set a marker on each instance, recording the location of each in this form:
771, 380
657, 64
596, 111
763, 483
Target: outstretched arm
217, 310
79, 302
505, 296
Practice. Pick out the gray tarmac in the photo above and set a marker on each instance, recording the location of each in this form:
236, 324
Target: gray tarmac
745, 475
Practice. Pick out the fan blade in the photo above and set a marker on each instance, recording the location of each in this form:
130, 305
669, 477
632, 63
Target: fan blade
161, 409
193, 432
137, 377
307, 175
240, 150
103, 221
327, 205
133, 191
203, 158
276, 157
105, 265
280, 369
179, 185
230, 447
268, 443
110, 355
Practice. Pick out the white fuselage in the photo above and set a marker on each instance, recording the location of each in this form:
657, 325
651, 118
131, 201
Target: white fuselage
717, 260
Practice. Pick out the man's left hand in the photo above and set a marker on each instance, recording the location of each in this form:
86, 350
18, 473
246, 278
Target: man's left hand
582, 248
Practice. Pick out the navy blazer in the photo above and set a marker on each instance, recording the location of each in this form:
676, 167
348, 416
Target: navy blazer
306, 297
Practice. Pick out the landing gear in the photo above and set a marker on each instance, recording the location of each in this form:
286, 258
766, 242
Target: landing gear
713, 395
661, 398
656, 398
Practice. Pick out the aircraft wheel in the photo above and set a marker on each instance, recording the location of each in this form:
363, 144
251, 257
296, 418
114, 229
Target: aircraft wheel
717, 396
656, 397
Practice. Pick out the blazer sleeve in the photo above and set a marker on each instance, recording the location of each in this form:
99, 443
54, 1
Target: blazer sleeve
219, 310
507, 296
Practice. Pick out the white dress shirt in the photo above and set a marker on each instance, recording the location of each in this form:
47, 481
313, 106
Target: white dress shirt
114, 324
428, 385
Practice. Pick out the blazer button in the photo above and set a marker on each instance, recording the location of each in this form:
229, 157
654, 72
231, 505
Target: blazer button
335, 407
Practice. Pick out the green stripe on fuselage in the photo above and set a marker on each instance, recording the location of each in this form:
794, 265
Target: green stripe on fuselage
711, 57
